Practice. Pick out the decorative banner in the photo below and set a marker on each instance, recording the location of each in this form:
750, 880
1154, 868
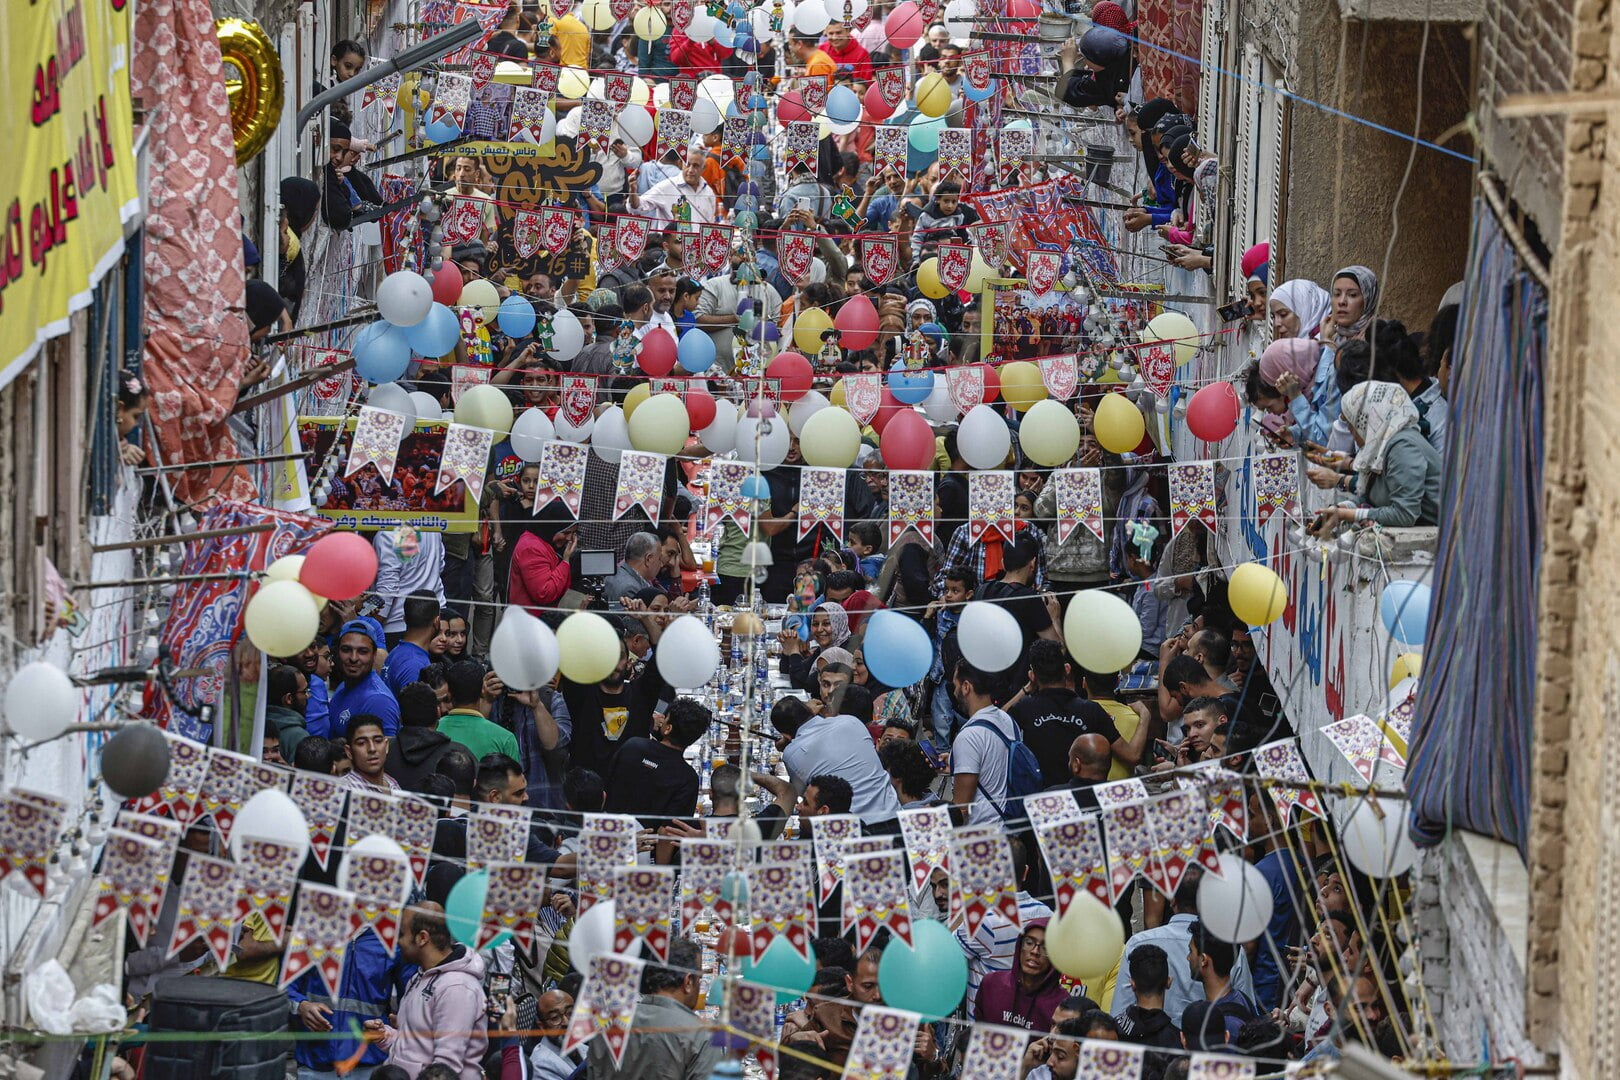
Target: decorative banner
1041, 269
726, 499
911, 501
883, 1044
704, 866
889, 149
982, 877
618, 86
814, 91
795, 252
465, 458
1047, 807
632, 241
955, 257
578, 400
966, 385
321, 800
990, 503
832, 831
181, 790
1079, 501
465, 376
779, 893
510, 903
1192, 496
450, 101
821, 502
415, 820
162, 830
1158, 369
875, 892
753, 1012
1180, 824
799, 144
642, 909
619, 824
1281, 761
595, 125
1363, 744
880, 257
29, 826
682, 93
325, 922
863, 394
1220, 1067
926, 831
369, 813
1397, 722
497, 837
1129, 837
376, 442
464, 219
1074, 856
1276, 485
378, 883
720, 828
976, 70
606, 1005
133, 876
1101, 1060
386, 91
990, 237
545, 75
530, 110
553, 225
1061, 374
233, 779
601, 855
713, 245
207, 906
734, 136
266, 877
956, 155
641, 483
1014, 145
1223, 793
994, 1052
674, 132
891, 84
1117, 792
608, 258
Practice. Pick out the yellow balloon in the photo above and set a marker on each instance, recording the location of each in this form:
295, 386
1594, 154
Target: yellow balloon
638, 393
979, 274
486, 407
1021, 384
836, 396
1049, 434
1102, 632
1118, 424
482, 295
1256, 594
572, 82
1408, 665
933, 95
830, 439
928, 282
597, 14
808, 328
588, 647
285, 568
252, 84
1176, 327
282, 618
661, 425
650, 24
1087, 941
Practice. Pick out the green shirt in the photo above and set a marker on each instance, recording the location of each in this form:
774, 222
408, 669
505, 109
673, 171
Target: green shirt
479, 735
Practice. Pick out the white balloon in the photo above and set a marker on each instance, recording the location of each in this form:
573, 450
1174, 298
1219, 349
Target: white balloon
427, 406
959, 20
548, 126
523, 650
687, 653
983, 439
635, 125
404, 298
770, 444
271, 815
1375, 838
592, 936
612, 435
41, 701
1237, 907
530, 433
800, 412
701, 28
838, 129
394, 398
373, 845
938, 406
989, 636
717, 90
706, 117
569, 433
720, 437
811, 17
567, 335
835, 10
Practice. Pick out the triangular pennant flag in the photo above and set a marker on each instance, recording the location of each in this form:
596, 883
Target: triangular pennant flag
1041, 269
883, 1044
321, 931
641, 903
1281, 760
509, 903
1061, 375
606, 1005
377, 434
1073, 849
965, 382
990, 503
982, 878
726, 498
641, 483
1158, 368
450, 100
875, 891
207, 907
1180, 823
601, 855
1192, 495
380, 883
465, 458
955, 259
821, 502
704, 866
30, 825
321, 800
911, 504
1079, 501
531, 109
1276, 485
463, 220
133, 876
266, 875
832, 831
779, 893
1129, 836
926, 831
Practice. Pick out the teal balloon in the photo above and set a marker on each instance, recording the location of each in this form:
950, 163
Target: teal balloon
1020, 124
924, 134
441, 131
784, 970
734, 888
464, 910
928, 977
897, 648
516, 316
435, 335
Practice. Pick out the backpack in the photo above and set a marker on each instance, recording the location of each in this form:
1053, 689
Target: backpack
1023, 771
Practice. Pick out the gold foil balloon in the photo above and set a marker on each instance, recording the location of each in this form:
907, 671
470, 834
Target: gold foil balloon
252, 83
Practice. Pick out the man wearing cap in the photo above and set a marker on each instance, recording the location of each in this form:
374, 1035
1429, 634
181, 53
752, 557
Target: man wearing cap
680, 198
361, 689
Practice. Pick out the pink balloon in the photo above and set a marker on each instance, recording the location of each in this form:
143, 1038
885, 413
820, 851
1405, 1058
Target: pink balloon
888, 407
1021, 9
857, 321
447, 283
992, 383
790, 106
700, 408
905, 25
339, 566
656, 354
795, 372
907, 442
876, 107
1213, 412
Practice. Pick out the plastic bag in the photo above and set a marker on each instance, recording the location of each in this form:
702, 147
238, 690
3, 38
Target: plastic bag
50, 996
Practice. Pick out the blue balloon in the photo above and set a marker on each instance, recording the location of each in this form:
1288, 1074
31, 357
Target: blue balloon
910, 387
928, 976
724, 35
1405, 608
897, 649
435, 335
755, 487
924, 132
516, 316
783, 969
765, 331
381, 352
843, 106
441, 131
979, 95
695, 351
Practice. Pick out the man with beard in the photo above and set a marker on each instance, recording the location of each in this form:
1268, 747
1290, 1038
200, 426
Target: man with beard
548, 1062
362, 690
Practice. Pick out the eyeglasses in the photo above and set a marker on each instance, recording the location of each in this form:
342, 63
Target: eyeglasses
1037, 947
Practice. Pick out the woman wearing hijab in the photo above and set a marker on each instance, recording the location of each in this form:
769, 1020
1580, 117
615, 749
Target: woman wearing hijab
1158, 201
1397, 472
540, 571
1355, 304
1256, 266
829, 629
266, 310
1298, 307
1297, 376
1103, 71
300, 200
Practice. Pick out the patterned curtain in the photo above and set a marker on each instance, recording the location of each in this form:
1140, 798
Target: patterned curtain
1166, 28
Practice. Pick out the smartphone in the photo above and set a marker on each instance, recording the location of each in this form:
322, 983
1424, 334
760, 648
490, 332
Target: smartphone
1234, 311
499, 986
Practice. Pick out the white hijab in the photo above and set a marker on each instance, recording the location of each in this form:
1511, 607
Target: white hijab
1306, 299
1378, 411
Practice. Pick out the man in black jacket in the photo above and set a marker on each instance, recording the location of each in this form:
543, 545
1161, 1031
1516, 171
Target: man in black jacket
1146, 1023
414, 752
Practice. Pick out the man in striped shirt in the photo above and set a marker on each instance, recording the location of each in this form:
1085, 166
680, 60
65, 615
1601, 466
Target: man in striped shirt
995, 946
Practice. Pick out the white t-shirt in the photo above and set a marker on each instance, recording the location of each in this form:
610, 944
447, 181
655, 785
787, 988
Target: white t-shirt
979, 751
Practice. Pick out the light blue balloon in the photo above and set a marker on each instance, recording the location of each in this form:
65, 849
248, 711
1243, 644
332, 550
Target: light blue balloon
898, 652
980, 95
784, 969
441, 131
910, 387
1020, 124
695, 351
930, 975
435, 335
756, 487
464, 910
843, 106
724, 35
381, 352
1405, 608
516, 317
924, 133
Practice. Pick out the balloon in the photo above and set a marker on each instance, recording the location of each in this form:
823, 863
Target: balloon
717, 90
800, 412
464, 910
927, 977
980, 95
763, 440
907, 442
958, 19
441, 131
447, 283
979, 274
660, 425
932, 95
427, 406
340, 566
1021, 384
1213, 412
282, 618
1256, 594
982, 438
928, 282
588, 647
285, 568
569, 433
898, 651
857, 322
781, 968
567, 335
523, 650
530, 433
597, 15
41, 701
1405, 609
905, 25
695, 351
635, 125
1118, 424
755, 486
1375, 836
888, 409
1049, 434
992, 383
485, 406
135, 762
810, 18
592, 936
650, 23
516, 316
924, 133
790, 107
1408, 665
720, 437
688, 653
1176, 327
843, 106
1103, 633
793, 370
989, 636
436, 335
572, 82
808, 328
705, 116
701, 27
1087, 941
612, 435
481, 294
394, 398
656, 353
876, 105
270, 815
910, 387
831, 439
701, 409
404, 298
373, 846
1236, 905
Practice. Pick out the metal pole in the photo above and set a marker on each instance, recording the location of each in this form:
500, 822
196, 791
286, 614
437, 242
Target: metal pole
159, 541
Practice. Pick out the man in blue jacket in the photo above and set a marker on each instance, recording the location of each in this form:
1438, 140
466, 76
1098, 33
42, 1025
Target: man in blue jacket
361, 689
370, 979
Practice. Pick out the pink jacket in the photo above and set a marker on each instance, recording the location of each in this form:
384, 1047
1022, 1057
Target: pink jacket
441, 1018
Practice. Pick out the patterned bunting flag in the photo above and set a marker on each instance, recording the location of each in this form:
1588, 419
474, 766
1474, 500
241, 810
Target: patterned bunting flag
30, 824
1180, 824
1014, 145
990, 237
821, 502
990, 503
601, 855
734, 136
578, 399
1073, 848
713, 245
266, 875
134, 874
1221, 1067
162, 830
880, 257
618, 824
814, 91
207, 907
926, 831
726, 499
955, 260
497, 834
641, 907
595, 124
956, 154
465, 458
380, 883
462, 220
1129, 837
562, 475
608, 258
911, 503
1116, 792
451, 99
832, 831
1050, 806
891, 84
982, 877
875, 892
641, 483
618, 86
753, 1012
545, 75
181, 790
1223, 794
606, 1005
232, 779
1158, 368
557, 225
1041, 269
376, 442
1276, 485
1280, 760
1079, 501
796, 251
1100, 1060
321, 930
509, 904
889, 148
863, 394
321, 800
883, 1044
704, 866
531, 109
994, 1052
976, 70
464, 377
371, 813
1192, 495
386, 91
1363, 744
780, 895
800, 144
682, 93
1061, 374
632, 241
965, 384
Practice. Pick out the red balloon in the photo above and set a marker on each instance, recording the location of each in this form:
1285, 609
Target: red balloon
339, 566
888, 407
876, 107
790, 106
1020, 9
857, 321
447, 283
992, 383
656, 353
907, 441
700, 408
905, 25
1213, 412
795, 372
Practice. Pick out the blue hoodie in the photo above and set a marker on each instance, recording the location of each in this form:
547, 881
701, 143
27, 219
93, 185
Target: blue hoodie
368, 696
365, 990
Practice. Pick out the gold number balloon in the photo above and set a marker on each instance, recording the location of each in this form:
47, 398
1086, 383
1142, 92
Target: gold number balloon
252, 82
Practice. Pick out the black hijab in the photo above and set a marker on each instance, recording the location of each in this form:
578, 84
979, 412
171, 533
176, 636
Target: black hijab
300, 199
264, 305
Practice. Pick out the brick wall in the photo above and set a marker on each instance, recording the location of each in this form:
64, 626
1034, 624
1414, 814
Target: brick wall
1526, 48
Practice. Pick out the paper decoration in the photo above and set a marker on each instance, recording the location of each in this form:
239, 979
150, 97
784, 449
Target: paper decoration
1117, 792
601, 855
889, 149
510, 903
965, 384
911, 502
1192, 495
1073, 848
800, 144
30, 824
207, 906
450, 101
415, 820
180, 791
632, 242
369, 812
641, 483
1050, 806
1061, 375
926, 831
1223, 793
832, 831
465, 376
321, 930
875, 892
883, 1044
1180, 824
385, 91
608, 258
880, 257
713, 245
956, 154
891, 84
606, 1005
821, 502
994, 1052
376, 442
780, 899
990, 237
982, 877
990, 503
1396, 724
704, 866
1158, 369
545, 75
497, 834
682, 92
1041, 269
321, 800
529, 110
481, 68
795, 252
814, 91
232, 779
465, 458
1079, 501
674, 132
641, 906
265, 877
595, 124
955, 257
734, 136
726, 499
620, 824
1276, 485
378, 883
1101, 1060
163, 830
976, 70
463, 220
1220, 1067
1363, 744
562, 474
1281, 761
753, 1012
1129, 836
133, 876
